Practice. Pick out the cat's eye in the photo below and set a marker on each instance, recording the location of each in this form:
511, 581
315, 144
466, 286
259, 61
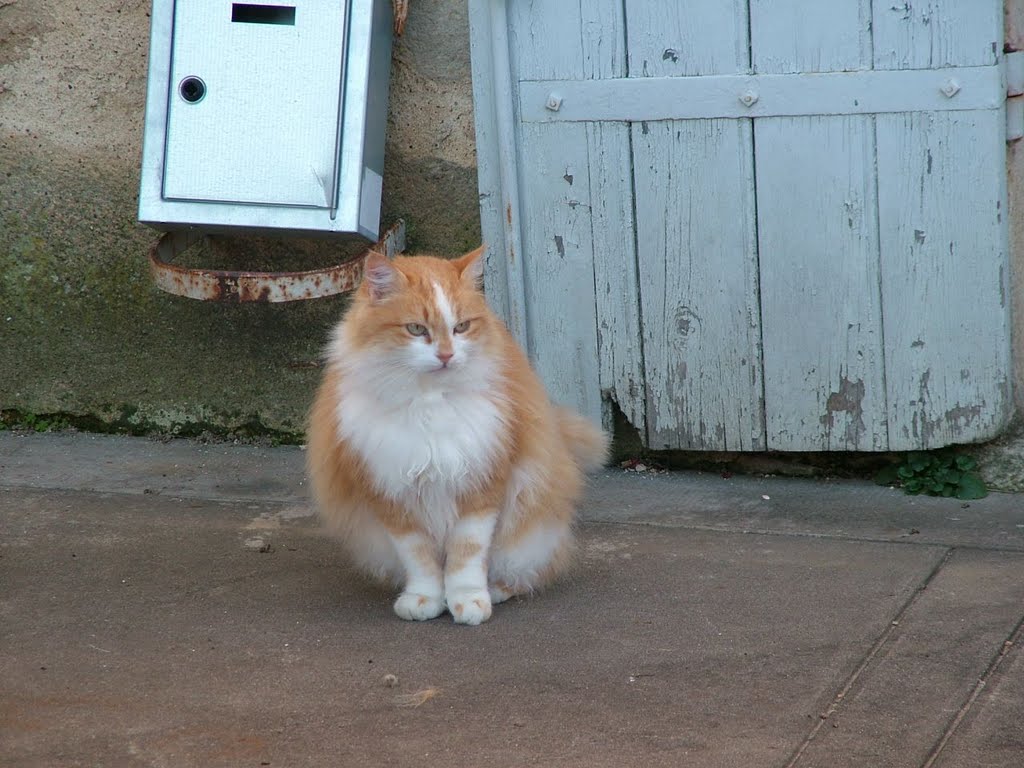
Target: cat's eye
462, 327
416, 329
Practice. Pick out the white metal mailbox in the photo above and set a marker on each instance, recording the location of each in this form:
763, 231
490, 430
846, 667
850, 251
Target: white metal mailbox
266, 116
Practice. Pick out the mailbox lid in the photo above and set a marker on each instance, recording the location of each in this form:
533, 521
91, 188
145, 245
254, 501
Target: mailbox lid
266, 129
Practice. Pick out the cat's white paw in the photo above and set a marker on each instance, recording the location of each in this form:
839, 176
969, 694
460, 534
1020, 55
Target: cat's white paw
470, 606
413, 607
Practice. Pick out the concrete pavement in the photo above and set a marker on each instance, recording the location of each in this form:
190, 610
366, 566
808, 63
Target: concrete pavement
175, 604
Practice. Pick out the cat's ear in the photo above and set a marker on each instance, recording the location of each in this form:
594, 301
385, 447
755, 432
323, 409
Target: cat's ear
471, 267
380, 277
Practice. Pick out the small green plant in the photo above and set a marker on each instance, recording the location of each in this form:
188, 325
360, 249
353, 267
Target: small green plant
936, 473
45, 423
33, 422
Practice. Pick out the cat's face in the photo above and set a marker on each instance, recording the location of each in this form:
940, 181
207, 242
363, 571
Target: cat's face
424, 317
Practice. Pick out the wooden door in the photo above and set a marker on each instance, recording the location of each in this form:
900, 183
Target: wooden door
774, 224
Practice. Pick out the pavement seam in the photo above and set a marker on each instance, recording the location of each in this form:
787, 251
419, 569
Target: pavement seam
807, 535
875, 649
1013, 639
224, 499
176, 496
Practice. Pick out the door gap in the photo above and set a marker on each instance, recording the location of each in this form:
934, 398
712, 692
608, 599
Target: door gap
759, 297
642, 428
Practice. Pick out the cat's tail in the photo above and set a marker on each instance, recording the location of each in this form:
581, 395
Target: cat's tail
587, 443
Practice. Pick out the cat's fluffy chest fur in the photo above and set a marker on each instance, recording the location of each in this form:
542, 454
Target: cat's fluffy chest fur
424, 447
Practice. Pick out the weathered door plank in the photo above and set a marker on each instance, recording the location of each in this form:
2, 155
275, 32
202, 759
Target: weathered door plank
696, 238
698, 284
619, 343
801, 36
556, 210
930, 34
944, 277
818, 240
700, 37
620, 346
944, 252
496, 161
558, 264
821, 307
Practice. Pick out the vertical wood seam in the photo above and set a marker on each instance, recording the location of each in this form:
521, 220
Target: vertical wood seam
765, 438
641, 335
760, 283
750, 52
881, 285
606, 419
505, 119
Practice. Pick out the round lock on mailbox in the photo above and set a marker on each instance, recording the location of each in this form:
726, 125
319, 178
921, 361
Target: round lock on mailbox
192, 89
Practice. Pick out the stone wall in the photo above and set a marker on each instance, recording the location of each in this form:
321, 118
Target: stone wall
82, 330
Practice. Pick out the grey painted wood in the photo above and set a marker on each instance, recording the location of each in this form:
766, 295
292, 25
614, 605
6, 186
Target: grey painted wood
603, 39
645, 260
493, 97
558, 262
939, 33
696, 239
556, 218
825, 93
698, 284
546, 39
620, 345
706, 37
791, 36
821, 308
818, 239
485, 91
944, 263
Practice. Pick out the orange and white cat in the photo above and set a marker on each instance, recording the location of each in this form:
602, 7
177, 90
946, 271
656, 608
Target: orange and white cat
433, 449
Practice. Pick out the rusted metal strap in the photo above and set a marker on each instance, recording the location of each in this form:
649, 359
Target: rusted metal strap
236, 287
401, 13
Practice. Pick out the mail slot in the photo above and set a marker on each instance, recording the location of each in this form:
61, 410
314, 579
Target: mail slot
266, 116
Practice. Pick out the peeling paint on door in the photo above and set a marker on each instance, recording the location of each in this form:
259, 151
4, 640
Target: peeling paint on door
763, 273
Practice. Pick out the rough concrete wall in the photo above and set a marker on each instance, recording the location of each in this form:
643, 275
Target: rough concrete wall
82, 330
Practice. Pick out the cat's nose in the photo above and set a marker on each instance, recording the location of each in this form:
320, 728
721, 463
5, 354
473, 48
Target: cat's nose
444, 357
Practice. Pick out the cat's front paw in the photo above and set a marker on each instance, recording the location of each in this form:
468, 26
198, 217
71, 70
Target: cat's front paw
413, 607
470, 606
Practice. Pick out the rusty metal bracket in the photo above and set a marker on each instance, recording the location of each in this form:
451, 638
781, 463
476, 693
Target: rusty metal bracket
236, 287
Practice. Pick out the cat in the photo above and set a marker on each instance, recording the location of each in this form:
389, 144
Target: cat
433, 449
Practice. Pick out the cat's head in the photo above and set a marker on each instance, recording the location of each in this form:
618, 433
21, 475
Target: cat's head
423, 316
